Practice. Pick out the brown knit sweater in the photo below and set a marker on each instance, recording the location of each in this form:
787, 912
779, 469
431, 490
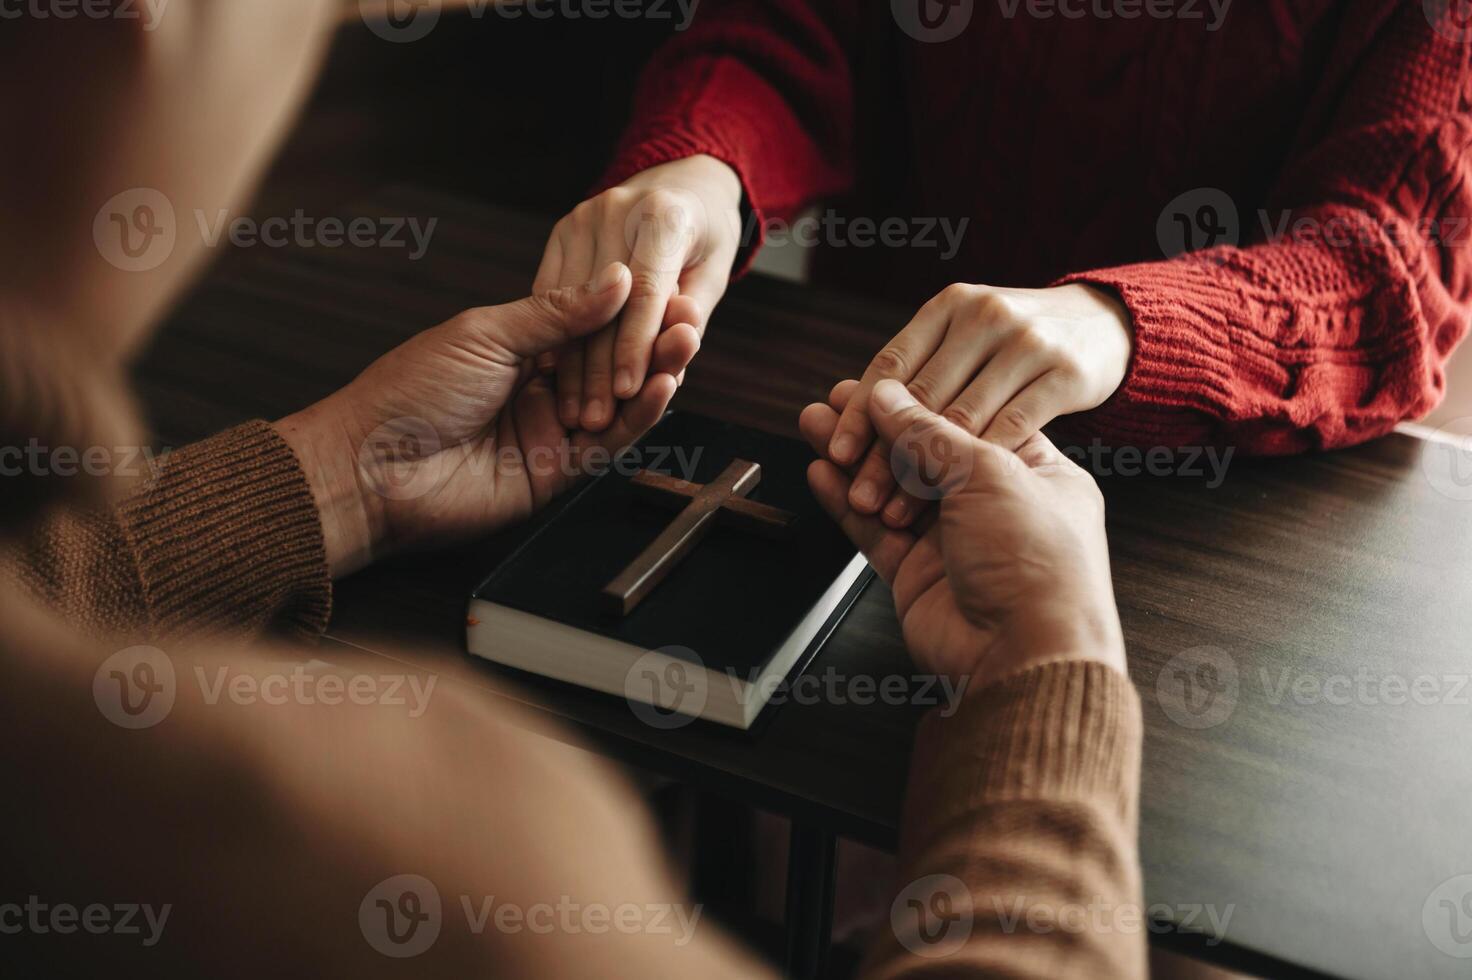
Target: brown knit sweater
1019, 825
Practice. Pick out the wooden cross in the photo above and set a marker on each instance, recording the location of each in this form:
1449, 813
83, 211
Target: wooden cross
724, 497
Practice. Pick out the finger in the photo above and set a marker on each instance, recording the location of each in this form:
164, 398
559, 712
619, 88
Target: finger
842, 392
902, 508
683, 309
549, 270
579, 255
940, 381
570, 384
884, 548
703, 285
1012, 369
598, 401
545, 321
935, 386
634, 417
674, 349
1034, 407
547, 278
1039, 451
816, 423
900, 360
925, 443
661, 246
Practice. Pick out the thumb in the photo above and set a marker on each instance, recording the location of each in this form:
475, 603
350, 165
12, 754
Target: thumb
548, 320
931, 456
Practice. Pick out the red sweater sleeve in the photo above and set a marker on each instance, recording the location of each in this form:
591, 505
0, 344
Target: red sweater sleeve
1332, 334
763, 85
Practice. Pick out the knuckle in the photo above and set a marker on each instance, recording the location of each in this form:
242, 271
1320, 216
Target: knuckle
555, 302
963, 417
585, 211
1032, 342
956, 292
992, 307
664, 200
618, 196
477, 319
925, 391
891, 362
1069, 373
647, 284
1013, 420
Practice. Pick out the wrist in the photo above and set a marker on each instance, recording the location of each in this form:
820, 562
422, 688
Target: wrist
351, 524
1071, 632
720, 177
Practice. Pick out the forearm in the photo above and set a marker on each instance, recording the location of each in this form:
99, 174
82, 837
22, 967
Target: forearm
223, 538
1018, 854
1332, 323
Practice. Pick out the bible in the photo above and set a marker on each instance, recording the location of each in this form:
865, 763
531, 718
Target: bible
692, 578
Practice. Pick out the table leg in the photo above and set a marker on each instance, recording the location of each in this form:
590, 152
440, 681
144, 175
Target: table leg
811, 865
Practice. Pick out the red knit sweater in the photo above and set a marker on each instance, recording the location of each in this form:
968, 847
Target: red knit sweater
1338, 131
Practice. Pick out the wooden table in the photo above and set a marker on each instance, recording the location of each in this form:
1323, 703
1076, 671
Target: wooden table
1298, 797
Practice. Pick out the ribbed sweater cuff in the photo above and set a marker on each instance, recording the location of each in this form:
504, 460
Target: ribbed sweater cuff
228, 538
1190, 363
1069, 730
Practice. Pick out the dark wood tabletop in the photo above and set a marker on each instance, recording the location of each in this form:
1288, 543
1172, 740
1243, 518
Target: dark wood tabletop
1301, 634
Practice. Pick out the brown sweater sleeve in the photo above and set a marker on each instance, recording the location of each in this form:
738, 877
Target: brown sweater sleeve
225, 539
1018, 855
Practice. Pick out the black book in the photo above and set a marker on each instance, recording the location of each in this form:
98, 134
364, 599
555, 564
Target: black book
719, 634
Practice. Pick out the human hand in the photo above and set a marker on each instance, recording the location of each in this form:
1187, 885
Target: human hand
999, 363
677, 227
1013, 573
453, 434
